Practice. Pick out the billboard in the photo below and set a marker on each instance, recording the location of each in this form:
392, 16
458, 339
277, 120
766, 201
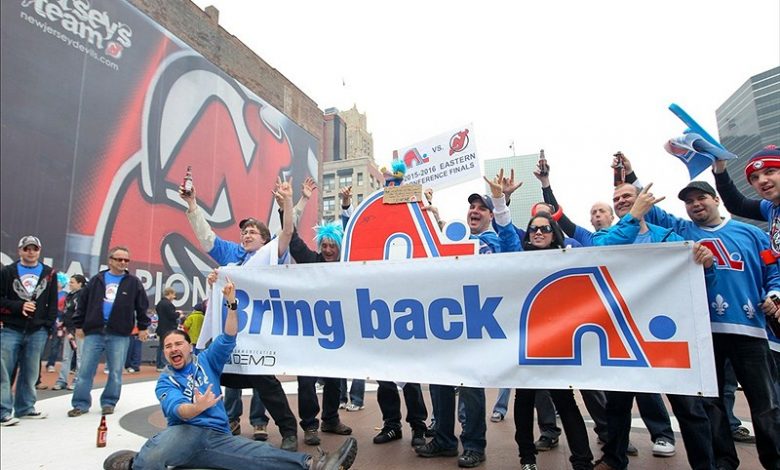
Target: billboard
102, 112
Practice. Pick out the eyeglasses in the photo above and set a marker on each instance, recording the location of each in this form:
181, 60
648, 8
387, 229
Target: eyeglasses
120, 260
543, 228
31, 248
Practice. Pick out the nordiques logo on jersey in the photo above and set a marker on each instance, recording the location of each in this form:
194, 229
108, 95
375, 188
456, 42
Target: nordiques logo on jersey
565, 306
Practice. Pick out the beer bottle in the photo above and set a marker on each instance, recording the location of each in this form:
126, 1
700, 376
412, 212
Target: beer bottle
544, 170
187, 184
619, 169
102, 432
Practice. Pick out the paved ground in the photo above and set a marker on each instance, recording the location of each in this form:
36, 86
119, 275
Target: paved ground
64, 443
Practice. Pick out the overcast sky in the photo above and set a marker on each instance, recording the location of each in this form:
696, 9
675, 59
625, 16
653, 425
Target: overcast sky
579, 79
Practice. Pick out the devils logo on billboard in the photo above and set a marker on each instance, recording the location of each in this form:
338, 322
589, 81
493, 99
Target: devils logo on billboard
195, 115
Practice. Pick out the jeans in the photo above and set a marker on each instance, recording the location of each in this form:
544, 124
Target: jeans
55, 346
134, 352
309, 404
189, 446
235, 407
23, 349
750, 359
115, 347
729, 395
694, 426
571, 418
390, 403
356, 393
596, 404
502, 402
67, 355
545, 414
161, 362
474, 428
652, 410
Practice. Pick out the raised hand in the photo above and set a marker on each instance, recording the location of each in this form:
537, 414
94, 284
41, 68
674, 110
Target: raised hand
645, 200
508, 185
204, 401
496, 188
626, 162
346, 195
229, 291
308, 187
188, 198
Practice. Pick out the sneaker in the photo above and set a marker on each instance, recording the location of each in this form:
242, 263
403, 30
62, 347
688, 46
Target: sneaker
430, 431
529, 466
75, 412
432, 449
341, 459
418, 437
742, 434
496, 417
311, 437
50, 369
289, 443
58, 386
354, 407
120, 460
260, 433
342, 405
105, 370
160, 369
131, 370
41, 386
471, 459
72, 372
107, 410
663, 448
338, 428
546, 443
9, 421
35, 415
70, 387
631, 450
235, 427
387, 435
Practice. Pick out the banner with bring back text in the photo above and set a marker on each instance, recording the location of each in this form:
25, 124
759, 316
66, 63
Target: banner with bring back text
615, 318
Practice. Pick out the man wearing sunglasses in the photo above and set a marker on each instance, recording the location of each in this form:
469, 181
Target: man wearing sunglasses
113, 303
28, 308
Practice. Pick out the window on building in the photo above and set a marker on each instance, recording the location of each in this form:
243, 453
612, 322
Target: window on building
345, 180
328, 204
360, 179
329, 182
359, 198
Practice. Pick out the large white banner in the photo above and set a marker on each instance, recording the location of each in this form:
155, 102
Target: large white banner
442, 161
614, 318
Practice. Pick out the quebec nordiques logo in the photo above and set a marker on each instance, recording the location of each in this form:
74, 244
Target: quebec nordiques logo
565, 306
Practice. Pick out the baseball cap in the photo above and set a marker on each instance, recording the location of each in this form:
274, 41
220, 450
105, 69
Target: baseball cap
485, 199
28, 240
767, 157
702, 186
248, 220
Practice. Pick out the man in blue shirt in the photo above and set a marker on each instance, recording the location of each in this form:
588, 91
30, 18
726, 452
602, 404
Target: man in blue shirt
198, 434
113, 303
28, 308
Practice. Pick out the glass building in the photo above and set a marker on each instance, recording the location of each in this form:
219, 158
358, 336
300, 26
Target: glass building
528, 194
748, 121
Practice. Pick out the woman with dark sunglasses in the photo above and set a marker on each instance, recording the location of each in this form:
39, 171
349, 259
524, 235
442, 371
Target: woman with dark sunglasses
543, 233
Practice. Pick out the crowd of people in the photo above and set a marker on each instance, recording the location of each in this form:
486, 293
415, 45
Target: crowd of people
739, 261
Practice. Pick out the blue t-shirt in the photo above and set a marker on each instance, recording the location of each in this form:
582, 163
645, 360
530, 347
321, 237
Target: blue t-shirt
29, 276
112, 286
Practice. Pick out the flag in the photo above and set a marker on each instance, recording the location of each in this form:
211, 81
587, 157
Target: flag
695, 152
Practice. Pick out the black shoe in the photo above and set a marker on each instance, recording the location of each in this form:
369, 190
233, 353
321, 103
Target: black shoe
338, 428
430, 431
235, 427
471, 459
418, 437
289, 443
742, 434
387, 435
341, 459
432, 449
546, 443
120, 460
631, 450
311, 437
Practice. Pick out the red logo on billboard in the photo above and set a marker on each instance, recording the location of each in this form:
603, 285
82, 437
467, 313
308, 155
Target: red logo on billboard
459, 141
114, 49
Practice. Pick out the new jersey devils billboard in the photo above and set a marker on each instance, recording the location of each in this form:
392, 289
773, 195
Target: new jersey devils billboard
102, 111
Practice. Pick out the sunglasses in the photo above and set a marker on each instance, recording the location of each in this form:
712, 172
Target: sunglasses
543, 228
30, 248
120, 260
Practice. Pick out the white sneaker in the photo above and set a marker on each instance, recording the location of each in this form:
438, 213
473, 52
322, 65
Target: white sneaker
353, 407
9, 421
662, 448
36, 415
50, 369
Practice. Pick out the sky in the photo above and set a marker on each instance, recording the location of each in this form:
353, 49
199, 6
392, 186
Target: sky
580, 79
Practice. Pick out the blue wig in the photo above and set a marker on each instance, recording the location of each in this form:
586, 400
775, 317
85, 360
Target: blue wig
399, 166
62, 278
332, 231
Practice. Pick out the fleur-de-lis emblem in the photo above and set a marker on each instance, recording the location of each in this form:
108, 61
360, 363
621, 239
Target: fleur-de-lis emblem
720, 305
749, 309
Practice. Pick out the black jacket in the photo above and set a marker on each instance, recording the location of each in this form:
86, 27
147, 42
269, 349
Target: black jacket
130, 298
45, 297
71, 305
167, 318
